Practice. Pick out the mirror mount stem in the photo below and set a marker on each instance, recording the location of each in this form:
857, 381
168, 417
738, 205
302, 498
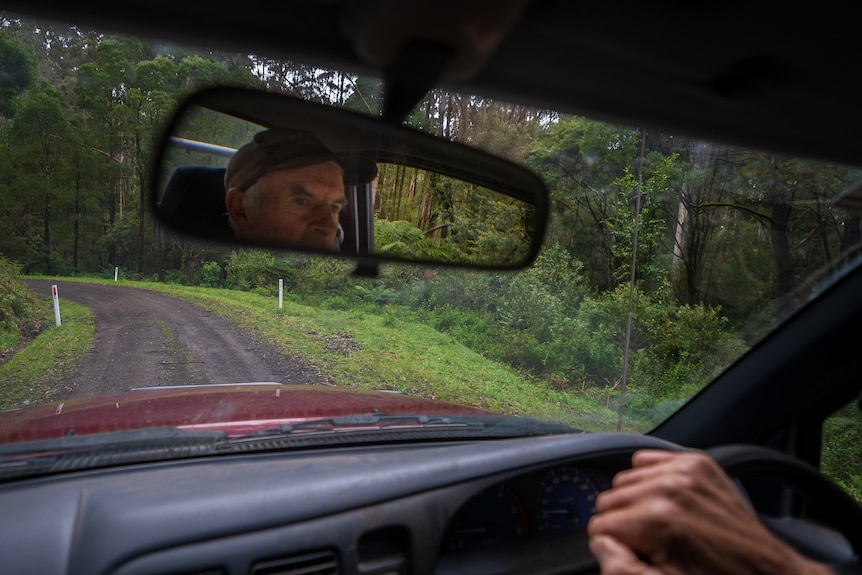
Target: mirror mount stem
365, 270
411, 75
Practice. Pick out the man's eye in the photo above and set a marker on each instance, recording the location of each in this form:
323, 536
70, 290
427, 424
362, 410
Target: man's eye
336, 208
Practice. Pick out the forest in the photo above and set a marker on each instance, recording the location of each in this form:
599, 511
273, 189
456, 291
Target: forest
81, 112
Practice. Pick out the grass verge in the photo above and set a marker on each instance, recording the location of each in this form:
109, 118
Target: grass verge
40, 371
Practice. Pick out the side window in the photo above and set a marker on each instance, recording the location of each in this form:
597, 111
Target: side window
841, 455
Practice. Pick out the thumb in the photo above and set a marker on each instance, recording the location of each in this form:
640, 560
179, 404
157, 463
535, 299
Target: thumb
616, 559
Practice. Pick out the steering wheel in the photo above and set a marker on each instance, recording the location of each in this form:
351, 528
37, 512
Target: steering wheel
844, 512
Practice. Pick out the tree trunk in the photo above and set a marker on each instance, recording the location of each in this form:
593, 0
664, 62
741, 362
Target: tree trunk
779, 217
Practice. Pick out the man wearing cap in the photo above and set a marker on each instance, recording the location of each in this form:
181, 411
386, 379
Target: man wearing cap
285, 188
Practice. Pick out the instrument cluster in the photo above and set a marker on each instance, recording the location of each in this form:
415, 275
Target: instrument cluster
552, 501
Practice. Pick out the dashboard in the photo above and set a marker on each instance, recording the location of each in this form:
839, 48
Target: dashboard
492, 506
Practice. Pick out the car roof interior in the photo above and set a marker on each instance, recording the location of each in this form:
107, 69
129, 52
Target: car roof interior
765, 76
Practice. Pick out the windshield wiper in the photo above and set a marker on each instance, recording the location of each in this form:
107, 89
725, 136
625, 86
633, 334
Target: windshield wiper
74, 452
369, 422
392, 427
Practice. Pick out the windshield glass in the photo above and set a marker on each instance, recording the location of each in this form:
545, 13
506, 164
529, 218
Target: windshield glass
666, 258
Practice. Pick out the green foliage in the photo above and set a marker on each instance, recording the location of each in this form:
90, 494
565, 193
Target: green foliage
40, 372
19, 312
377, 295
336, 302
209, 275
503, 129
427, 290
18, 71
675, 349
543, 297
258, 270
649, 226
427, 216
319, 278
401, 239
250, 269
841, 458
121, 239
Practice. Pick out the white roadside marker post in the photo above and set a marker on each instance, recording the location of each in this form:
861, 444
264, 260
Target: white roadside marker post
56, 305
280, 293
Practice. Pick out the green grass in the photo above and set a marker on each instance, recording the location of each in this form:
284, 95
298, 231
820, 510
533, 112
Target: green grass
8, 339
40, 371
392, 353
408, 357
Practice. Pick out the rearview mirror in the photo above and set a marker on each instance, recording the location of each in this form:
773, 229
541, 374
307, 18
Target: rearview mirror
257, 168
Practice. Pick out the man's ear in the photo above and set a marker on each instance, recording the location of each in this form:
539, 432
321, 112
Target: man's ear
234, 201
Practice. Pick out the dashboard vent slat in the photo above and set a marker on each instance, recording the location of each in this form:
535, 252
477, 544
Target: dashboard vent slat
323, 563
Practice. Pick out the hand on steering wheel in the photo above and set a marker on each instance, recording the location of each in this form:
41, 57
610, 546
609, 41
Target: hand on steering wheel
679, 512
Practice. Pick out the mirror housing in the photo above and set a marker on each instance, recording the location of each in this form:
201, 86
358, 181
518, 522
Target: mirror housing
408, 196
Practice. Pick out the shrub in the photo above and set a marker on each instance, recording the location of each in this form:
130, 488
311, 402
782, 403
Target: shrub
336, 302
209, 275
250, 269
377, 294
317, 278
19, 313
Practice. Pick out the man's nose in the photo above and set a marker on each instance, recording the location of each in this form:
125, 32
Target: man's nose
323, 219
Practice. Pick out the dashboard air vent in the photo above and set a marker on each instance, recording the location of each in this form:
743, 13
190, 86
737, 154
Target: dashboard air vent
323, 563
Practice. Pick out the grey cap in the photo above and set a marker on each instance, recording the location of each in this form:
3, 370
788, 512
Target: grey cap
272, 150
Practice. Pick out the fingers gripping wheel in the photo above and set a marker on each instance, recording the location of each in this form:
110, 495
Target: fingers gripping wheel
843, 512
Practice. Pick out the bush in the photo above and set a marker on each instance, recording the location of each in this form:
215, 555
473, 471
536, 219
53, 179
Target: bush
317, 278
685, 347
19, 312
377, 294
250, 269
337, 303
473, 291
172, 276
209, 275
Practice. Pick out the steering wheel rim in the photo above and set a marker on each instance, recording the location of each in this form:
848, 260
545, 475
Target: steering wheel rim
845, 513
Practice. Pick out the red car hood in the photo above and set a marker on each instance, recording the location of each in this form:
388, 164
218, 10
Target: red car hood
237, 409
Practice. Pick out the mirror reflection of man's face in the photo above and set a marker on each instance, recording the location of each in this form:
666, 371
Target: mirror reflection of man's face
297, 207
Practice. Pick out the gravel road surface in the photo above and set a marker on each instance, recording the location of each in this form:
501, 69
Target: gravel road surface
146, 338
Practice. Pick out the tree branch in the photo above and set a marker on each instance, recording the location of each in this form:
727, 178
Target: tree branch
763, 218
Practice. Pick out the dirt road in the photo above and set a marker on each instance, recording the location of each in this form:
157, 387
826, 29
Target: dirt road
145, 338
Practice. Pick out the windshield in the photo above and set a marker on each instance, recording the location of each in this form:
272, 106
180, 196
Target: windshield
665, 260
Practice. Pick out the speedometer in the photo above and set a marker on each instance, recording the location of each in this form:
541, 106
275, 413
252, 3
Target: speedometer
566, 499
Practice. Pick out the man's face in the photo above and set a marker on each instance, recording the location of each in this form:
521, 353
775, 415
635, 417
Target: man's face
300, 208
